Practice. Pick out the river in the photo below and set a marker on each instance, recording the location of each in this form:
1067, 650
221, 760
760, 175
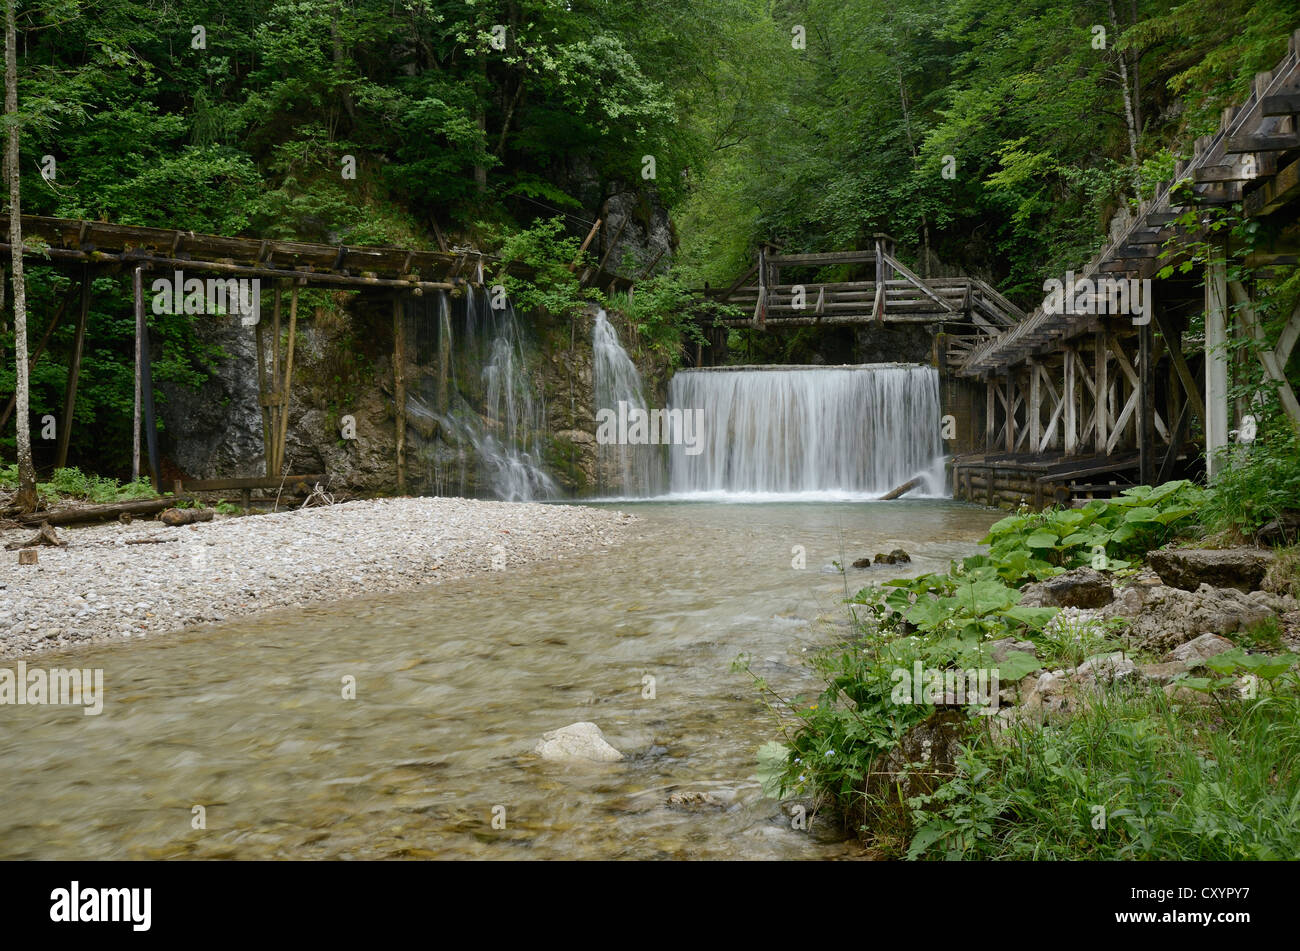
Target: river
455, 683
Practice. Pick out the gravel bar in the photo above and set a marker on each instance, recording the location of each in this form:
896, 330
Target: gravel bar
98, 587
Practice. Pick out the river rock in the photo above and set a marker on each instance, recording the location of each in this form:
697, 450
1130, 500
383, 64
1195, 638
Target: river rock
1160, 617
1189, 568
1199, 649
924, 758
576, 742
1106, 668
895, 557
862, 563
1080, 588
1052, 693
1284, 530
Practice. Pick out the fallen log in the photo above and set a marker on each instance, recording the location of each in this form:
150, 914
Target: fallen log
96, 513
185, 516
907, 486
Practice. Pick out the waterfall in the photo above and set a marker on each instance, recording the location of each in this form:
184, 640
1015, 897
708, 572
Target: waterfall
846, 431
624, 469
477, 420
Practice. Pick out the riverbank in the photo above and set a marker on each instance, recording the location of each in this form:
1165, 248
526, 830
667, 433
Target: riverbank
117, 581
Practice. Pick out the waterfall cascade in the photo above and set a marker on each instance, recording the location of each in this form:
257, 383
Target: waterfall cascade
845, 431
472, 403
632, 470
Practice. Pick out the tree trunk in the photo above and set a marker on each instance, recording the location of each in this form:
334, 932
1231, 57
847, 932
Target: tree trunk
1129, 119
26, 499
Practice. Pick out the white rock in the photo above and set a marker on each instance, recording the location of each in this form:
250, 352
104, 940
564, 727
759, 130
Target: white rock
577, 741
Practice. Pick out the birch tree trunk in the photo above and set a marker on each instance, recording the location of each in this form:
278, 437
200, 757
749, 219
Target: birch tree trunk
26, 471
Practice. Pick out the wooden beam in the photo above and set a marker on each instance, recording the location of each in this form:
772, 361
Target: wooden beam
74, 371
1216, 364
399, 388
1267, 356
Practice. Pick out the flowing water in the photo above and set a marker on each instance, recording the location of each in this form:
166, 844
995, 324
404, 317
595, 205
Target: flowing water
477, 423
454, 685
622, 469
832, 432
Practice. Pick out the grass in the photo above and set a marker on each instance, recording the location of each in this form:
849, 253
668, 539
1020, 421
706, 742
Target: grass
1132, 776
72, 483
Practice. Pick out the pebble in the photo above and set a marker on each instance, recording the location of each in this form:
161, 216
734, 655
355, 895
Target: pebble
259, 563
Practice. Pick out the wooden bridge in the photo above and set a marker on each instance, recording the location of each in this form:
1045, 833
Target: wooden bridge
88, 249
1102, 385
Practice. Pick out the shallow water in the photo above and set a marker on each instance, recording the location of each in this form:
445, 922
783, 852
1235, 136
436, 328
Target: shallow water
454, 685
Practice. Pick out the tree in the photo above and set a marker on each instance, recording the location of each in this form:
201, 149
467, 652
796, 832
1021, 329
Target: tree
26, 471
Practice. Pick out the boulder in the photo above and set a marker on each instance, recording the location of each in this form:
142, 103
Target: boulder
576, 742
1160, 617
862, 563
924, 759
1199, 649
1080, 588
1189, 568
1051, 694
1284, 530
1162, 673
1106, 668
895, 557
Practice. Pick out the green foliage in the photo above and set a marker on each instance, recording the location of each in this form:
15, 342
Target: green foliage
1130, 776
1261, 482
72, 483
1108, 533
552, 287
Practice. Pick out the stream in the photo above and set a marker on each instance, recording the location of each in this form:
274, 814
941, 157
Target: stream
455, 683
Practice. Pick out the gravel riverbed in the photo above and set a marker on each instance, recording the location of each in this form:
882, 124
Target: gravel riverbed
99, 587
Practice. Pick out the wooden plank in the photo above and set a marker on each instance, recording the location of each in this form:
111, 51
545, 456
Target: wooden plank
1280, 104
1275, 193
181, 486
287, 382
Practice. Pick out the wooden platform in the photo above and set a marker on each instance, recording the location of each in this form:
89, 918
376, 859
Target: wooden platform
1008, 480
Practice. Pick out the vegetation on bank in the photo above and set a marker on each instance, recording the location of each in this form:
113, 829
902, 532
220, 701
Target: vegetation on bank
1132, 773
72, 483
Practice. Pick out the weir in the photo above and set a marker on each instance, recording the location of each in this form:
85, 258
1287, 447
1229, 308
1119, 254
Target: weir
854, 430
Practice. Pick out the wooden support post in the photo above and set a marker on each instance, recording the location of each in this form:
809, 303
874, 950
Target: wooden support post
1216, 364
74, 372
263, 394
444, 353
1011, 412
1274, 367
399, 388
1070, 399
1035, 407
1102, 356
139, 358
990, 407
1146, 383
274, 408
146, 391
286, 382
760, 308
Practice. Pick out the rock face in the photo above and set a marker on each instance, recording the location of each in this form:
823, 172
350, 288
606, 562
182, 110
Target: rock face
1080, 588
577, 742
1161, 618
1189, 568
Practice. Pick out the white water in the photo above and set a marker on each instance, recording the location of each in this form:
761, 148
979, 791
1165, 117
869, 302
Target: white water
495, 421
628, 469
809, 433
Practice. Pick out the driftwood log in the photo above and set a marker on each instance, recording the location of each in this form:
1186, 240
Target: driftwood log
97, 513
907, 486
185, 516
